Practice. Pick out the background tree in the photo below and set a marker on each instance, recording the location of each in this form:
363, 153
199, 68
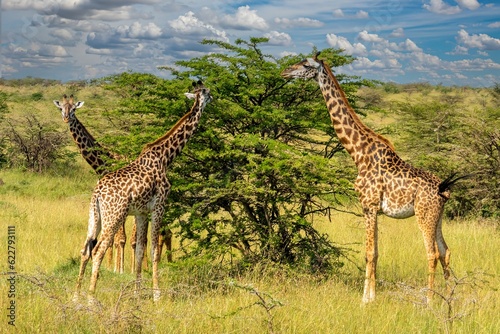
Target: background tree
33, 144
3, 137
248, 183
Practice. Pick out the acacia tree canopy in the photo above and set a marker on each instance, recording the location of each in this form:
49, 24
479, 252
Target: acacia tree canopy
254, 173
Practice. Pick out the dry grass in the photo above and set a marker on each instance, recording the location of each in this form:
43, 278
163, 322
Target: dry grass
51, 228
50, 216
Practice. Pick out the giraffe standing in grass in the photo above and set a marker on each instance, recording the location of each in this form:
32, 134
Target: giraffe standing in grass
385, 182
100, 160
140, 189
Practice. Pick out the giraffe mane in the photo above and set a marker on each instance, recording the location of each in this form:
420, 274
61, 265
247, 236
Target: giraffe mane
354, 116
169, 133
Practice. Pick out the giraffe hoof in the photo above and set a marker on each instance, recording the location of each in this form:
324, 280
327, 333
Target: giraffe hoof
156, 295
76, 297
93, 303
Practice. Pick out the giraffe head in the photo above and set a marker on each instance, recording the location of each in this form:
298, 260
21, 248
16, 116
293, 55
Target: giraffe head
68, 107
201, 93
306, 69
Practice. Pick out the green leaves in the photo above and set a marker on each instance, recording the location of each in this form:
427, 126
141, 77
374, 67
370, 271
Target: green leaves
250, 179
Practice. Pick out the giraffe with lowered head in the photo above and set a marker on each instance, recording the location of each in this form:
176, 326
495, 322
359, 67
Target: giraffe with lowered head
140, 189
385, 182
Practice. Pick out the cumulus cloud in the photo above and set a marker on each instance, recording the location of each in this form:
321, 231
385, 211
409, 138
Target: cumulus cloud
460, 50
63, 34
362, 14
367, 37
278, 38
138, 31
342, 43
338, 13
189, 24
440, 7
82, 9
398, 32
494, 25
122, 35
244, 19
469, 4
299, 22
480, 41
45, 50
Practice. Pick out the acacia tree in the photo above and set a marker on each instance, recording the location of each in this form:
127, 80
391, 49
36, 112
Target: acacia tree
251, 179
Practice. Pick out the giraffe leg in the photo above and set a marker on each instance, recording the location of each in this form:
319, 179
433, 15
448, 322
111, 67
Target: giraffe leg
97, 257
133, 243
443, 250
110, 258
86, 254
141, 236
371, 243
427, 222
93, 230
119, 242
166, 239
156, 220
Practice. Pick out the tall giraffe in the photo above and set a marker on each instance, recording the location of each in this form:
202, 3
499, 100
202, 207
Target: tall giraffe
140, 188
385, 182
98, 158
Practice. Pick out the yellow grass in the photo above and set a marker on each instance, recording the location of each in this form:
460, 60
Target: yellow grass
51, 226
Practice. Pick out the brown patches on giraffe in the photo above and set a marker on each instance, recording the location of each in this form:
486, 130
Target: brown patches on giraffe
385, 182
140, 189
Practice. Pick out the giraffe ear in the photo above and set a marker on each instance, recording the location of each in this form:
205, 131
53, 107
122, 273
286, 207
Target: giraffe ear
190, 96
57, 103
79, 104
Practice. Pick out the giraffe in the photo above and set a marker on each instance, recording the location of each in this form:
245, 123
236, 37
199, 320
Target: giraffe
140, 188
385, 182
98, 158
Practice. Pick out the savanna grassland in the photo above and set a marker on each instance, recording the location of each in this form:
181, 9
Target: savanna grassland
49, 213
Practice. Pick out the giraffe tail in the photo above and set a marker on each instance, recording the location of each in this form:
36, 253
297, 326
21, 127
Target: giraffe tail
94, 228
446, 184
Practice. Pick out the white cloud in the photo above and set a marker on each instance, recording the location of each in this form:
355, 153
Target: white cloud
365, 63
362, 14
244, 19
278, 38
494, 25
440, 7
476, 64
82, 9
469, 4
356, 49
189, 24
53, 51
398, 32
63, 34
409, 45
481, 41
149, 31
460, 50
338, 13
299, 22
367, 37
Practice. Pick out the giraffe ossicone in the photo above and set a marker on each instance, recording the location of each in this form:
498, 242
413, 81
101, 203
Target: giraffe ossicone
385, 182
141, 189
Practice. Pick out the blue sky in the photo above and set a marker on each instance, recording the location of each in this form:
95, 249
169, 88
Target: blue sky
452, 42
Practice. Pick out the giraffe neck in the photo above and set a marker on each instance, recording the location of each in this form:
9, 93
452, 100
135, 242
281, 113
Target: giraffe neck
354, 136
89, 148
166, 148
